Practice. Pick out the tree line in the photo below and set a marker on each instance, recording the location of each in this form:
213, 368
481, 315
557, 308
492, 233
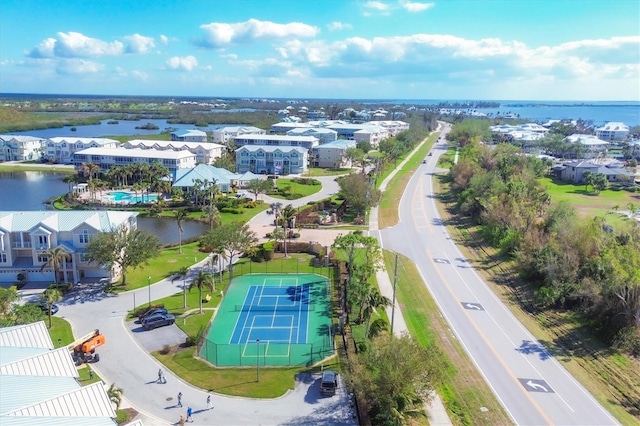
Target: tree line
570, 263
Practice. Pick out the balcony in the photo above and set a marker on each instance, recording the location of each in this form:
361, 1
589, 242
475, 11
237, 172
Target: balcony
21, 244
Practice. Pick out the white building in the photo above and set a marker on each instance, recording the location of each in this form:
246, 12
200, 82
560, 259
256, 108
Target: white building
306, 142
332, 154
25, 237
592, 144
205, 152
225, 134
191, 135
263, 159
323, 135
613, 131
285, 126
109, 157
20, 148
61, 150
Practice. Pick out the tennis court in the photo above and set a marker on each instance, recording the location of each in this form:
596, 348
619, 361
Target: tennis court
272, 320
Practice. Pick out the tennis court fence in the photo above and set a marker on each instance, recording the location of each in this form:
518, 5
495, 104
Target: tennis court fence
275, 308
273, 354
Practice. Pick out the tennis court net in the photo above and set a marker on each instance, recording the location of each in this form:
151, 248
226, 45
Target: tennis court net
275, 308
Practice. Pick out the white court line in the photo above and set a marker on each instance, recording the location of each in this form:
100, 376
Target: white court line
238, 319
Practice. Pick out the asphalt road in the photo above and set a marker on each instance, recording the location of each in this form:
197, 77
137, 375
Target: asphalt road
531, 384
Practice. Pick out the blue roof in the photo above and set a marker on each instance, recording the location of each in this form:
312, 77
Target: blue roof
340, 143
187, 177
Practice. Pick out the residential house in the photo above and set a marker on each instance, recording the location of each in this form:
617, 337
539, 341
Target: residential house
227, 133
107, 158
191, 135
267, 159
592, 144
306, 142
21, 148
205, 152
61, 149
574, 171
186, 179
332, 154
25, 237
39, 383
613, 131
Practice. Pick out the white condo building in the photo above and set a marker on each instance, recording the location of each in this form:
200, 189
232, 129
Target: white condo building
262, 159
306, 142
61, 149
205, 152
25, 237
228, 133
107, 158
332, 154
191, 135
20, 148
612, 131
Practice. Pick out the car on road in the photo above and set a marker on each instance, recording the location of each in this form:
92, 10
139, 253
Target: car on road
424, 161
152, 312
45, 307
430, 154
329, 383
158, 320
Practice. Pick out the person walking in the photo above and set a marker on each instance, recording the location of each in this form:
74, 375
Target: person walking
181, 421
209, 405
179, 399
189, 413
159, 375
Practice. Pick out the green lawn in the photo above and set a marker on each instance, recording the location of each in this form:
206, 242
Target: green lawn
316, 171
168, 263
298, 189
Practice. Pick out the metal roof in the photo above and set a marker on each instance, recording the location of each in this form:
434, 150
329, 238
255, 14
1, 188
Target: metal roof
33, 335
56, 421
272, 148
187, 177
50, 363
149, 143
61, 221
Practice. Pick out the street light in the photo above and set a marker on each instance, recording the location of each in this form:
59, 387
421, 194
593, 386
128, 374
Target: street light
257, 360
149, 285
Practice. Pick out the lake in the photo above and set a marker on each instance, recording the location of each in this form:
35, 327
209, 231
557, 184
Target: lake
28, 190
122, 128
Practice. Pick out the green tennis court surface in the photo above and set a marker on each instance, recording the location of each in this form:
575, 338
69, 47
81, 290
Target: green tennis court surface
272, 320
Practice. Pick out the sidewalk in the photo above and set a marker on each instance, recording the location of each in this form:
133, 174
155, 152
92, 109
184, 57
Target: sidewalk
437, 413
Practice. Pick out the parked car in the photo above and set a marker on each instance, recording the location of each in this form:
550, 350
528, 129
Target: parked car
45, 307
329, 383
158, 320
151, 312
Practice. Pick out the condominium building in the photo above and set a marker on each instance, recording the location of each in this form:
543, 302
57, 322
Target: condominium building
61, 149
264, 159
205, 152
613, 131
306, 142
26, 237
332, 154
107, 158
228, 133
323, 135
20, 148
191, 135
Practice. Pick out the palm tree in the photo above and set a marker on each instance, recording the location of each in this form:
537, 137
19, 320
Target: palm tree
276, 208
90, 170
180, 216
372, 302
55, 259
184, 271
288, 217
115, 395
49, 297
69, 179
202, 280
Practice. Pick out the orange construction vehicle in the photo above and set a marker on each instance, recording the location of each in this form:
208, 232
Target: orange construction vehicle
83, 350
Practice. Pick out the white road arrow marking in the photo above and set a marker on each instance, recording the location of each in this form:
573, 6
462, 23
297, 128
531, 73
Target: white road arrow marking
472, 306
536, 386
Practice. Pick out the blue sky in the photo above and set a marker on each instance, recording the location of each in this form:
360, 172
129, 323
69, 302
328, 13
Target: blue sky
346, 49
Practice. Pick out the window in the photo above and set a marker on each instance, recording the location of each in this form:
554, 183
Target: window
42, 258
3, 257
83, 258
42, 240
84, 237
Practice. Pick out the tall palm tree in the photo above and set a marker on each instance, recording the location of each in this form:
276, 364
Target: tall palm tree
115, 395
184, 271
372, 302
90, 170
69, 180
276, 208
288, 216
49, 297
55, 259
180, 215
202, 280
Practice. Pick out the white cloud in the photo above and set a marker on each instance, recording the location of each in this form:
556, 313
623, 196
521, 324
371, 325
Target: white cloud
377, 6
415, 7
78, 66
338, 26
139, 75
186, 63
219, 35
75, 45
164, 39
139, 43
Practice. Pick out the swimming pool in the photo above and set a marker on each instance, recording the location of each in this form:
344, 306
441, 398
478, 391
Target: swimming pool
122, 197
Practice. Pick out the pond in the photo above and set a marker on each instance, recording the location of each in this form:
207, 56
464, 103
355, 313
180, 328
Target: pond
28, 190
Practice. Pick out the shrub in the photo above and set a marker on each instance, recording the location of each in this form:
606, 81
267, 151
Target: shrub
232, 210
189, 341
166, 349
